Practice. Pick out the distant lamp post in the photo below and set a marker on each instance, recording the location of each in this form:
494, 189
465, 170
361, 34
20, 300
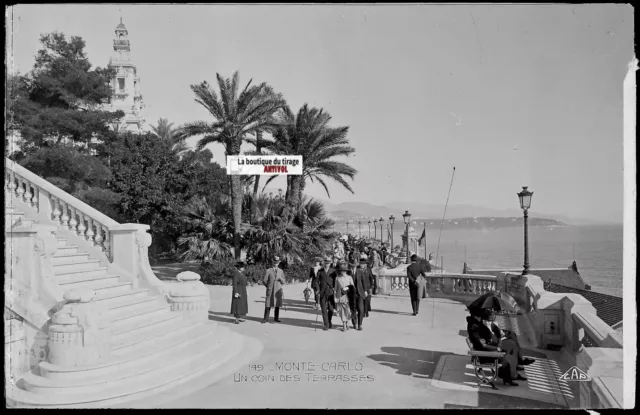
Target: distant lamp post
375, 229
391, 220
280, 194
359, 229
369, 223
380, 221
525, 203
407, 219
347, 226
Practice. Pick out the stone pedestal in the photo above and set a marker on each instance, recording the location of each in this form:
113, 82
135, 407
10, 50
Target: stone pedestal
189, 296
76, 337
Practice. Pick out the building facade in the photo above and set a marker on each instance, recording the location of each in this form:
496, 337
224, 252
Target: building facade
126, 83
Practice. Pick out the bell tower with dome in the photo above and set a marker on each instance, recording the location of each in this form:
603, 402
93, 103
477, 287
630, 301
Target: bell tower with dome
126, 82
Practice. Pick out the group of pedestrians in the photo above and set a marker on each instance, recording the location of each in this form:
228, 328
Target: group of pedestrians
343, 288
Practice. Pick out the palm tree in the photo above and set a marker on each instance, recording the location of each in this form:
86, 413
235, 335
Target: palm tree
309, 135
165, 131
234, 117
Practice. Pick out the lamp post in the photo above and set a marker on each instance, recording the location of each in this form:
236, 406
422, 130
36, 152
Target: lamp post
407, 219
391, 219
525, 203
347, 226
375, 229
369, 223
380, 221
359, 230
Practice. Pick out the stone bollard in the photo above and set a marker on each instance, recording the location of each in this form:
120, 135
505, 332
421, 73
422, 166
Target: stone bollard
189, 296
76, 337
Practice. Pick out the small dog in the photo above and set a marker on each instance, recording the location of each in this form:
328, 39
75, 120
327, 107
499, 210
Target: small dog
307, 295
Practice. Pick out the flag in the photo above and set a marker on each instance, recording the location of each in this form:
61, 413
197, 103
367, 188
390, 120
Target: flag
423, 237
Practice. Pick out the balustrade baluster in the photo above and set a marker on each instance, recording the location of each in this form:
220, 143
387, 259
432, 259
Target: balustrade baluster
56, 210
20, 190
28, 194
12, 187
73, 223
90, 234
34, 199
98, 238
7, 188
107, 243
64, 220
81, 227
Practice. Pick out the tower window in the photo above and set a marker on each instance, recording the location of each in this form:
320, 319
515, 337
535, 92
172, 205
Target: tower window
121, 84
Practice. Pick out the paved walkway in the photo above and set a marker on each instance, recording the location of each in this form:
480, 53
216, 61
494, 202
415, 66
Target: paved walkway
397, 361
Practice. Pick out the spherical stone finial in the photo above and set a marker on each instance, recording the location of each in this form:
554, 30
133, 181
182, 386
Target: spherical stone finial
188, 276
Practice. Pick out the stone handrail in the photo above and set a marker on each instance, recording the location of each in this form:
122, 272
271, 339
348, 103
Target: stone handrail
394, 281
58, 206
598, 333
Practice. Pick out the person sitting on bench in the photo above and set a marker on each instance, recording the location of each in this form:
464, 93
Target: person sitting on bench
499, 333
483, 339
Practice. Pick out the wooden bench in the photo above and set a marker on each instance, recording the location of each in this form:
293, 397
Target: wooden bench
480, 368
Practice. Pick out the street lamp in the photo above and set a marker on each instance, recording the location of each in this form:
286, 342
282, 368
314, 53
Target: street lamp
347, 226
525, 203
375, 229
359, 230
280, 194
369, 223
380, 221
407, 219
391, 219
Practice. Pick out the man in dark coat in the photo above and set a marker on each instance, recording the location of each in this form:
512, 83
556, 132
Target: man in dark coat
483, 339
326, 280
413, 272
370, 284
239, 303
362, 292
313, 276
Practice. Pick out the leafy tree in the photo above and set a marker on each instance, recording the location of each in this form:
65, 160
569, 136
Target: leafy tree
235, 116
61, 98
308, 134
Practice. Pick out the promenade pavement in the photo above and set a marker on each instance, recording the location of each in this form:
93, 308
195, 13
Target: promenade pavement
397, 361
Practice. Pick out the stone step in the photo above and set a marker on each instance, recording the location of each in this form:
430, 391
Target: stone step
54, 376
139, 316
147, 336
121, 287
112, 300
81, 276
70, 258
181, 330
151, 326
61, 242
163, 377
79, 266
66, 250
93, 283
131, 306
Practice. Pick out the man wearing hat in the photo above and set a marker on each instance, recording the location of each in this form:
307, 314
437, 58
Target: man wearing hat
326, 280
313, 276
413, 272
239, 301
273, 280
362, 292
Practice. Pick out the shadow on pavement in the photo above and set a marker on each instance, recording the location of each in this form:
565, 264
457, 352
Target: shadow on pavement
400, 313
296, 322
410, 362
463, 333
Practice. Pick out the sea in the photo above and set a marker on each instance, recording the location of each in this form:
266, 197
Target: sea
597, 250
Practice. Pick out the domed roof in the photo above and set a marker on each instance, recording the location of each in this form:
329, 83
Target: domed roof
121, 26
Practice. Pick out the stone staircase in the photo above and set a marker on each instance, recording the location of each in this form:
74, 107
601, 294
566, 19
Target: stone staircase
153, 347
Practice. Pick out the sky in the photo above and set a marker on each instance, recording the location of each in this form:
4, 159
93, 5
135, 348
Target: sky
510, 96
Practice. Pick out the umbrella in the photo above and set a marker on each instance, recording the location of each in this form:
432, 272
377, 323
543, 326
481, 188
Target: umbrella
491, 301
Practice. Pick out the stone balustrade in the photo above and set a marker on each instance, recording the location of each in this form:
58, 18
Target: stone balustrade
77, 333
394, 281
58, 207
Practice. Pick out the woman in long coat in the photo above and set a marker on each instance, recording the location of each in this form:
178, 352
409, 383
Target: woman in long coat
239, 303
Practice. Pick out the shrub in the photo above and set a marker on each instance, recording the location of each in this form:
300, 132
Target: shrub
220, 272
217, 272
